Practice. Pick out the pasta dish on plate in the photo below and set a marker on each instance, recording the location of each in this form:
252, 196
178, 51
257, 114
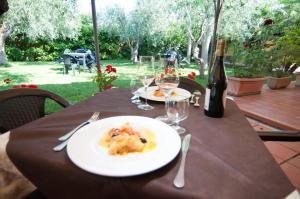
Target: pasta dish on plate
125, 139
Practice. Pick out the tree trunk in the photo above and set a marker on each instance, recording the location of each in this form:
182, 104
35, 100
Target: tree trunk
134, 50
3, 57
189, 50
204, 52
134, 53
205, 44
198, 59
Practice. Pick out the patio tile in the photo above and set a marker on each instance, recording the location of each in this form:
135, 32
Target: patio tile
278, 159
269, 109
293, 173
292, 145
263, 127
295, 161
252, 122
280, 150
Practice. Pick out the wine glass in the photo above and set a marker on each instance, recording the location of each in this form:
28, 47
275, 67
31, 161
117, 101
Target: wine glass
146, 76
177, 111
135, 85
167, 79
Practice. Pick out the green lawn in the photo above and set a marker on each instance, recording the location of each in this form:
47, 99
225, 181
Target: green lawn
49, 76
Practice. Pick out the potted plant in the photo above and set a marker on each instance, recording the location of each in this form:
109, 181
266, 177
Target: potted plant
248, 77
105, 78
283, 60
281, 77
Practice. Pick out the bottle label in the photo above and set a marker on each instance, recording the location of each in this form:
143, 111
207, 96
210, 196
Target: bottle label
207, 97
224, 98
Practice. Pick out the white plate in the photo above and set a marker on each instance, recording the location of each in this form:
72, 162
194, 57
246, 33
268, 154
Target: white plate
181, 94
84, 150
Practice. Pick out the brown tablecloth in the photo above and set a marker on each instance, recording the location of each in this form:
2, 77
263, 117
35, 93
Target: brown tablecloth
226, 158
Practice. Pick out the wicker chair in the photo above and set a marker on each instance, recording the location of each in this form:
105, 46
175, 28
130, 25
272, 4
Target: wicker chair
23, 105
190, 85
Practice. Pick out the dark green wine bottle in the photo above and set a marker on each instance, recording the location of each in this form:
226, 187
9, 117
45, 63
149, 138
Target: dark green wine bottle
216, 90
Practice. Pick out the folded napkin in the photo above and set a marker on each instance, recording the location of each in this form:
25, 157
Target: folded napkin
294, 195
13, 184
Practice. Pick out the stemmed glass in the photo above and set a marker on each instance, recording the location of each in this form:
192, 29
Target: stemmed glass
167, 79
177, 111
146, 75
135, 85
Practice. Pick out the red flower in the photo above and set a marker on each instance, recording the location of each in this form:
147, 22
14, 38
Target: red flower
114, 70
166, 70
162, 75
104, 78
108, 87
109, 66
268, 22
25, 86
32, 86
246, 44
192, 75
169, 70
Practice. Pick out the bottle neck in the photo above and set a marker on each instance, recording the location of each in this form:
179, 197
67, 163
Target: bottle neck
220, 48
218, 70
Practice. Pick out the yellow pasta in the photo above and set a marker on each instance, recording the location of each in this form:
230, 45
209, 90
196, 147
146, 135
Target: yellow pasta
124, 140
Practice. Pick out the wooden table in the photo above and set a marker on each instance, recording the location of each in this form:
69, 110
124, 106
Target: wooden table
226, 158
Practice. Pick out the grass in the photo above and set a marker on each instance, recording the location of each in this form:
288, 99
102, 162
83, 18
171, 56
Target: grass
49, 76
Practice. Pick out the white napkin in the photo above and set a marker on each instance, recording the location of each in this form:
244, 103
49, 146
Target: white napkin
13, 184
294, 195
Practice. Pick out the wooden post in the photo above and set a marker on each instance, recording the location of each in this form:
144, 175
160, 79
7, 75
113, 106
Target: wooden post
96, 41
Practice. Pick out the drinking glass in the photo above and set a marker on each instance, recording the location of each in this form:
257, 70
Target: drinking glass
177, 111
146, 75
167, 79
135, 85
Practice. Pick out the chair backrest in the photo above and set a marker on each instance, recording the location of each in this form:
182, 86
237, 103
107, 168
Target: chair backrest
190, 85
68, 59
23, 105
80, 50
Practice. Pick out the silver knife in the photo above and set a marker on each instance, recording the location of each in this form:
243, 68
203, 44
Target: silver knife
179, 179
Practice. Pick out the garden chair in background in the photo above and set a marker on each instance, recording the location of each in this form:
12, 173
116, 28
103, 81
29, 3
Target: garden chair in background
23, 105
70, 62
191, 85
89, 60
188, 84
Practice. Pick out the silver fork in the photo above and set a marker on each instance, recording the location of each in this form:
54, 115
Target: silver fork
94, 117
66, 137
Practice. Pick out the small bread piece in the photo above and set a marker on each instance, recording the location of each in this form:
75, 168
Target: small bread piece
158, 93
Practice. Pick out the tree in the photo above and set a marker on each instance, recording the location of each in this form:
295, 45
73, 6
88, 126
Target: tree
48, 19
143, 22
238, 18
3, 6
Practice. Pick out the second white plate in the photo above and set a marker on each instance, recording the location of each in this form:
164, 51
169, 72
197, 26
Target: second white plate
180, 94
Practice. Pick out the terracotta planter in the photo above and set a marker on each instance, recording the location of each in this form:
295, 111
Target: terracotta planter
245, 86
278, 83
297, 79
